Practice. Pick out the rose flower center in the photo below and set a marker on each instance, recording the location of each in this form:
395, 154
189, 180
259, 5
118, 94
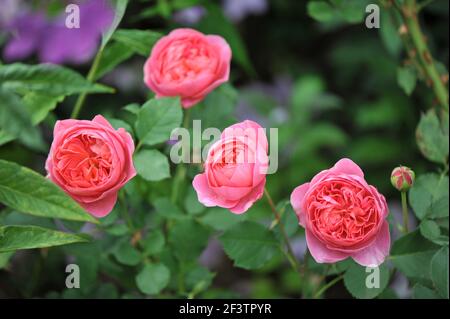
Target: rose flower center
342, 213
84, 161
185, 60
231, 164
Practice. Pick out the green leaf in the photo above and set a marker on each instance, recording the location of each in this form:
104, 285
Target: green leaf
29, 237
249, 244
39, 105
406, 79
221, 219
191, 203
4, 258
388, 33
6, 137
321, 11
188, 239
429, 196
48, 79
117, 123
15, 122
439, 207
154, 242
153, 278
133, 108
431, 138
119, 8
412, 254
152, 165
126, 254
113, 54
422, 292
411, 243
439, 271
198, 279
140, 41
366, 283
167, 209
351, 11
430, 229
156, 120
217, 110
28, 192
117, 229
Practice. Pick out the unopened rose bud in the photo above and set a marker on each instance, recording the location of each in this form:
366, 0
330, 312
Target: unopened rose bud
402, 178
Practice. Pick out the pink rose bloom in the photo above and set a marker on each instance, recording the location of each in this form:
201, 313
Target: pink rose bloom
343, 216
91, 161
188, 64
235, 169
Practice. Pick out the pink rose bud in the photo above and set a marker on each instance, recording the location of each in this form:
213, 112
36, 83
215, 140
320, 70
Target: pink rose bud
343, 216
235, 169
91, 161
188, 64
402, 178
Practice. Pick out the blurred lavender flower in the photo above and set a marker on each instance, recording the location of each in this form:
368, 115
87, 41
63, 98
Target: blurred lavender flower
27, 31
77, 45
189, 16
8, 10
53, 41
237, 10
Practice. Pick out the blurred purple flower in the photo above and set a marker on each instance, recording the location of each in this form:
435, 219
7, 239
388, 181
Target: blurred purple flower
8, 10
189, 16
27, 31
53, 41
237, 10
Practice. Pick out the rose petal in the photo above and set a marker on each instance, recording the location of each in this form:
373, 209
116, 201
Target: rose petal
297, 202
320, 252
375, 254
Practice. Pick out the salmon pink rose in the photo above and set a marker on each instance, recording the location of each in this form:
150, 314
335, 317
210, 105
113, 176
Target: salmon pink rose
343, 216
235, 169
91, 161
188, 64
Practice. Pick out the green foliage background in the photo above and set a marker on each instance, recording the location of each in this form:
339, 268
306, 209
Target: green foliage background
341, 90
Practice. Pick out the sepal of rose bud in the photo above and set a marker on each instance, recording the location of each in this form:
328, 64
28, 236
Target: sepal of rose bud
402, 178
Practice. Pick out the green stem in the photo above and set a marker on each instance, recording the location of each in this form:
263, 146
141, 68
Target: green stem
289, 253
90, 77
423, 4
180, 172
405, 212
445, 170
328, 285
125, 213
409, 13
